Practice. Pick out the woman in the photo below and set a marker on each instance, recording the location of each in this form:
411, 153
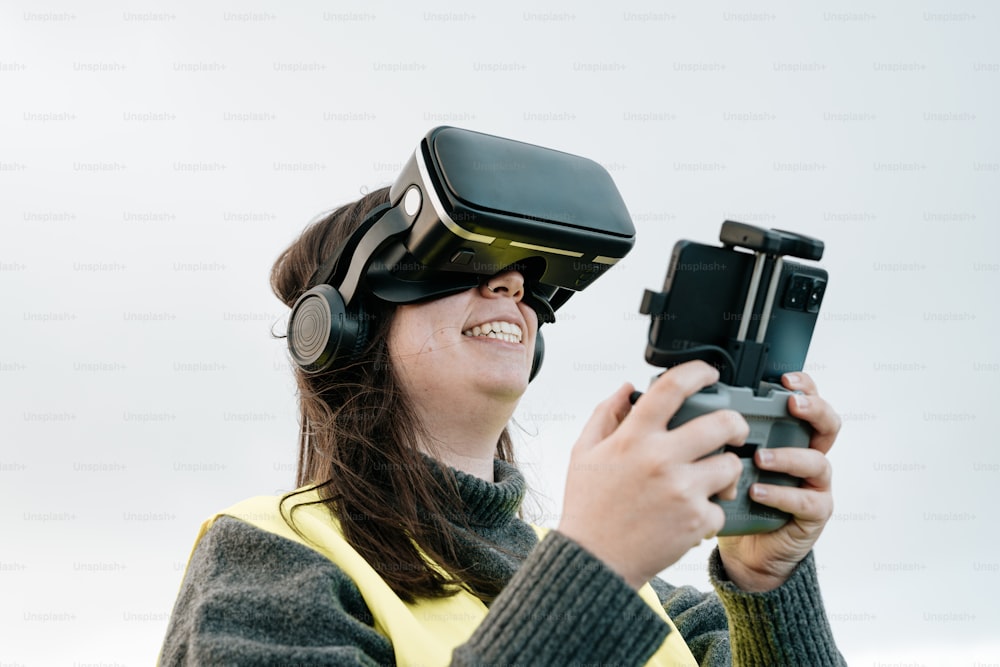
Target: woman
404, 544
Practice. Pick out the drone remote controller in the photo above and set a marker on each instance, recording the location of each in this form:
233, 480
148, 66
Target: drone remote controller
751, 316
771, 425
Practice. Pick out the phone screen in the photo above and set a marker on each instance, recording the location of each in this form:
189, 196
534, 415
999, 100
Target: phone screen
705, 294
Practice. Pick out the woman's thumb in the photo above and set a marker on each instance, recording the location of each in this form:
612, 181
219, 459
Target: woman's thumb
606, 417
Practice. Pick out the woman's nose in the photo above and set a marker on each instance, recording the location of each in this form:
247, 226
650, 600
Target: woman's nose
510, 283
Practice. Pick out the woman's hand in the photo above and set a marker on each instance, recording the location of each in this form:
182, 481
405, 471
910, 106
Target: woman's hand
637, 495
765, 561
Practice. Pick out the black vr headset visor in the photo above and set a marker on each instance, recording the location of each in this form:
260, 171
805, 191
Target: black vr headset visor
469, 205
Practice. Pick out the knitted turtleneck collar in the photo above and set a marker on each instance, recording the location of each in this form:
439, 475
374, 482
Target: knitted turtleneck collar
487, 504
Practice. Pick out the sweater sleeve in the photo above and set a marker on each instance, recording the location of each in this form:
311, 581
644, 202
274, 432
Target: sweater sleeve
253, 598
786, 626
565, 607
701, 619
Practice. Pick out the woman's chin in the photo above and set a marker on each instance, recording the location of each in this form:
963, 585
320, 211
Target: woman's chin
506, 383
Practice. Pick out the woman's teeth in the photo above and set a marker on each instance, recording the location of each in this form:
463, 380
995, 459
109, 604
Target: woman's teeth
505, 331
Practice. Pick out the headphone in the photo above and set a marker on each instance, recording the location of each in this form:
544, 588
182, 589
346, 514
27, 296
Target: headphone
330, 326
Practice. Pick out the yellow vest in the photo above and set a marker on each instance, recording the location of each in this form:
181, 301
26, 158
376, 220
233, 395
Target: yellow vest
425, 632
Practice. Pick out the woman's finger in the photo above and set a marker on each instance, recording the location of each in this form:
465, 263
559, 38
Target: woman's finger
820, 414
606, 417
810, 465
800, 381
703, 435
804, 504
666, 395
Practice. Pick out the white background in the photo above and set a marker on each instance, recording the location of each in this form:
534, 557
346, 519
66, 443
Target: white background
155, 159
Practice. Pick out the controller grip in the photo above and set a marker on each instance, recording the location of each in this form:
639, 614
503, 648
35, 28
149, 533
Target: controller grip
771, 426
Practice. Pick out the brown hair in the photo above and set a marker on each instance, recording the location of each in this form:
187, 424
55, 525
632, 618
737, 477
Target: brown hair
359, 435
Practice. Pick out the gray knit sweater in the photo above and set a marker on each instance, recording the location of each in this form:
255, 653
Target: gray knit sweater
253, 598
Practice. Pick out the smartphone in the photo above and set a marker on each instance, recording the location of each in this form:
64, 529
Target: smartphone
704, 304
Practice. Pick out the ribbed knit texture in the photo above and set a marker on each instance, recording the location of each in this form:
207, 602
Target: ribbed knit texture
601, 622
786, 626
491, 506
252, 598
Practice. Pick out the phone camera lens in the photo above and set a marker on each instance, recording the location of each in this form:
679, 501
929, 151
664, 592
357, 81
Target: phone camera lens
816, 295
799, 290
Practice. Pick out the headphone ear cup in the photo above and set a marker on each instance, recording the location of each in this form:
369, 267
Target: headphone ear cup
321, 331
360, 320
536, 362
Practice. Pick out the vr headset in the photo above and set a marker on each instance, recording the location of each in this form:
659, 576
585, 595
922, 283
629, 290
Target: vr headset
465, 207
